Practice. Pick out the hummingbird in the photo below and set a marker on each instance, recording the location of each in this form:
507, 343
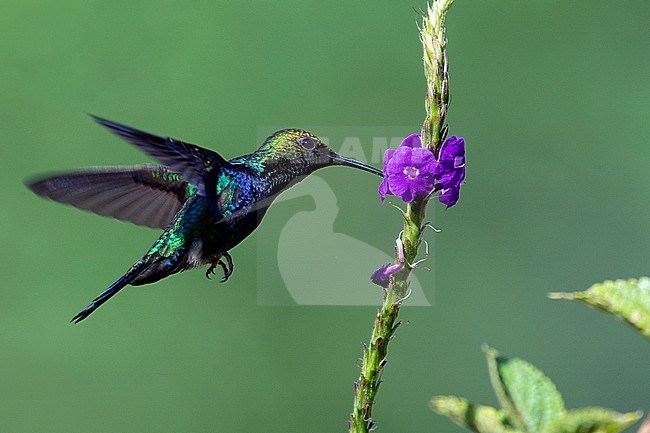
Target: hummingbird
205, 204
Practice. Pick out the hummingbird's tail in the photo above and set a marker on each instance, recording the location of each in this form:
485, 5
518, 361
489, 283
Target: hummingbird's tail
125, 279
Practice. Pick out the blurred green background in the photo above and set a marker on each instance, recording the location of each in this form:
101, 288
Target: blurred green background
554, 103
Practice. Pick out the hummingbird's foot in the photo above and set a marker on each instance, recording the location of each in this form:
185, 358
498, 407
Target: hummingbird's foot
226, 266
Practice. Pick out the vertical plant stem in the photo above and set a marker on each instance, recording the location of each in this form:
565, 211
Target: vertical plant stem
432, 36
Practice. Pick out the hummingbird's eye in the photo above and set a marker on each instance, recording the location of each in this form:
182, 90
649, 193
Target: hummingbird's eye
307, 143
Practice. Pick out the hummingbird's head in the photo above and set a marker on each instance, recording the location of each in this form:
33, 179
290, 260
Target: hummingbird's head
301, 152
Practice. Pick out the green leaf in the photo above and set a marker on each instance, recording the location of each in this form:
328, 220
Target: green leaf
481, 419
594, 420
629, 300
529, 398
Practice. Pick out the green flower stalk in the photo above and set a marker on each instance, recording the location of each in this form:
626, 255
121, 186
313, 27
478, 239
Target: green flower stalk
432, 36
436, 72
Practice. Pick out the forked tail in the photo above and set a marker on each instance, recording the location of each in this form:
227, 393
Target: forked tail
125, 279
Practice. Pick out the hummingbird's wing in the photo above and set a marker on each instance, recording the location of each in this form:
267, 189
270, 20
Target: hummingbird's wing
148, 195
188, 160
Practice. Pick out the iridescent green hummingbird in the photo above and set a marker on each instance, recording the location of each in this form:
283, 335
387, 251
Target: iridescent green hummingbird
205, 204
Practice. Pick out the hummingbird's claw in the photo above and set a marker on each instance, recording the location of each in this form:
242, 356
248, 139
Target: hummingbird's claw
226, 266
226, 273
210, 271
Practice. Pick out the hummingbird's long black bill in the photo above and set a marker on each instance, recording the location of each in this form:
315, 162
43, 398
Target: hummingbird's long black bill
348, 162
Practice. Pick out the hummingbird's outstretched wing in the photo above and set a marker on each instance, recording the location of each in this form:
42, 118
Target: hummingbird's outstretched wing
188, 160
148, 195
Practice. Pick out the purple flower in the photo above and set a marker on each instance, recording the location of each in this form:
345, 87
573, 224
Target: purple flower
381, 276
409, 170
450, 171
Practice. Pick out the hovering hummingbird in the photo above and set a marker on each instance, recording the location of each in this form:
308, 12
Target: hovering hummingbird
205, 204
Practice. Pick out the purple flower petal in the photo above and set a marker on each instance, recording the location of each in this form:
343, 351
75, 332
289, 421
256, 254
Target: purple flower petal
423, 159
383, 190
422, 185
408, 195
401, 158
382, 275
451, 178
451, 148
449, 196
388, 155
398, 184
412, 141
